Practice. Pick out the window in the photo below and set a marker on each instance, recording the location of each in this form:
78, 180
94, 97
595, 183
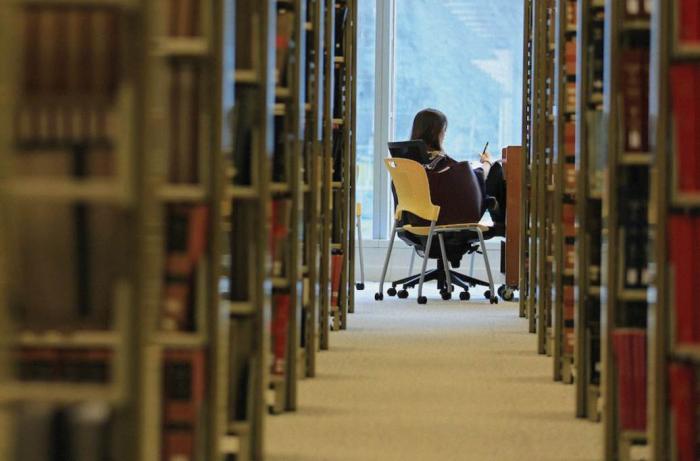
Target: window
367, 17
463, 57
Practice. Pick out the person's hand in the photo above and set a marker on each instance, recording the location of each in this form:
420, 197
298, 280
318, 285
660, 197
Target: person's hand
485, 158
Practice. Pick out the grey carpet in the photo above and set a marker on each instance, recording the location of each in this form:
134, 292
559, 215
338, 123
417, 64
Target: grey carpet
447, 381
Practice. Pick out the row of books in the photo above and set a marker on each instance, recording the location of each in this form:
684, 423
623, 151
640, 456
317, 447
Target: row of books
685, 91
184, 114
183, 391
80, 432
71, 51
684, 262
630, 352
638, 9
45, 364
183, 18
684, 396
73, 260
635, 98
185, 246
633, 211
571, 16
688, 21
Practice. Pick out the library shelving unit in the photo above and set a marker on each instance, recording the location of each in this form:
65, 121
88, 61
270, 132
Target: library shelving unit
70, 196
626, 276
287, 193
674, 338
312, 186
185, 325
248, 152
545, 172
536, 112
590, 165
337, 217
539, 175
525, 223
565, 190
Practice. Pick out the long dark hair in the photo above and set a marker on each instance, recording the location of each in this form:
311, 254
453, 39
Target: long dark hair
428, 124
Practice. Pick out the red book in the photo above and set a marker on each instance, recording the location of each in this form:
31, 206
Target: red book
683, 408
622, 348
689, 21
680, 241
183, 386
198, 225
684, 97
639, 375
178, 445
280, 327
336, 271
632, 99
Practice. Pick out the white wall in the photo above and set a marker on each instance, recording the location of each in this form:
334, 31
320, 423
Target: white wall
374, 252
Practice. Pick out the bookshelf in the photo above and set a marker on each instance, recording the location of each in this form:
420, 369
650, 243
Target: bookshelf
337, 215
672, 318
313, 192
525, 223
564, 200
626, 278
247, 287
545, 31
590, 164
71, 203
539, 142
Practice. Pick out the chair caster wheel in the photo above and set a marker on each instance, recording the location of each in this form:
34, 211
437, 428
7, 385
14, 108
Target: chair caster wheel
403, 294
446, 295
360, 286
508, 294
487, 294
494, 300
500, 290
378, 296
464, 296
391, 291
422, 300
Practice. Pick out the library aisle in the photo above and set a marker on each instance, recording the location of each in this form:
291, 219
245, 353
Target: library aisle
446, 381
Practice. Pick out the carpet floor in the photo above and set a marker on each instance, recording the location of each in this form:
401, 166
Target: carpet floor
447, 381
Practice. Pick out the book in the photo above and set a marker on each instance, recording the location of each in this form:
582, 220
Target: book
689, 21
686, 142
184, 116
185, 245
682, 244
284, 44
280, 327
683, 396
183, 386
631, 353
336, 272
281, 218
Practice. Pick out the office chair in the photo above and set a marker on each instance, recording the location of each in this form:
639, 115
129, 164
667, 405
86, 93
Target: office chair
413, 193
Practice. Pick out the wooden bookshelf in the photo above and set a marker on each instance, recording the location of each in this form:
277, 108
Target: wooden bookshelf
337, 216
249, 51
591, 17
525, 223
564, 199
312, 181
626, 203
66, 238
673, 357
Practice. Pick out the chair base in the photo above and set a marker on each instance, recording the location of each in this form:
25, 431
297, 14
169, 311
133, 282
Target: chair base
458, 279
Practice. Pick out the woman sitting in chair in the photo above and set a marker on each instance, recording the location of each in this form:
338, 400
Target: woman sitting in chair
430, 126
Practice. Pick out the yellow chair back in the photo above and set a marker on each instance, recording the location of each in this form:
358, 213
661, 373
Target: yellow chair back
412, 188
